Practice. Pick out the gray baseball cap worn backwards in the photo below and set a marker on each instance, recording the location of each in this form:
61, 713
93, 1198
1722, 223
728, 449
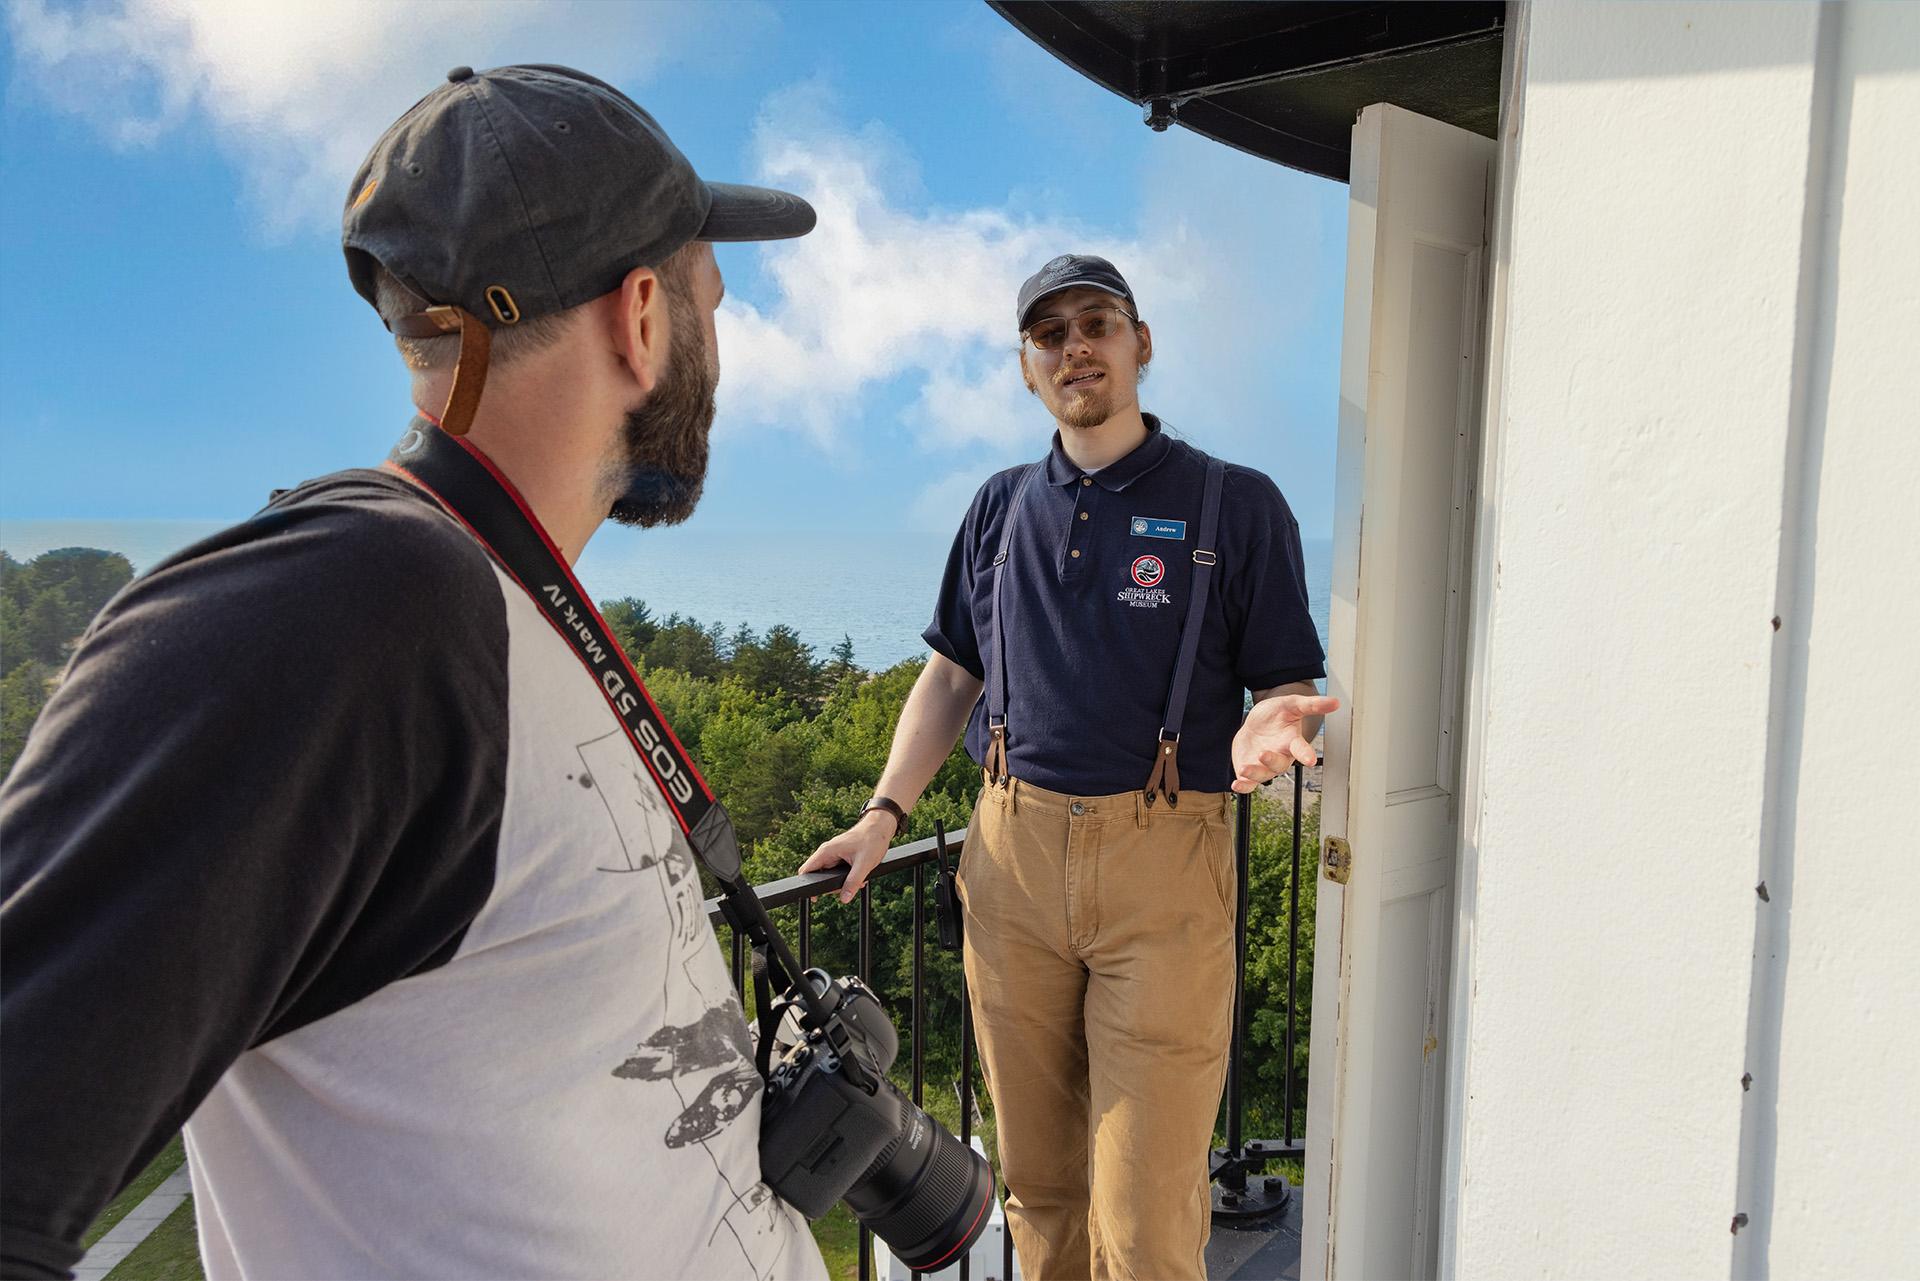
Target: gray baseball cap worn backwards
514, 193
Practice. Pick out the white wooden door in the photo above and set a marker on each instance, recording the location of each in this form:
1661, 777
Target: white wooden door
1409, 429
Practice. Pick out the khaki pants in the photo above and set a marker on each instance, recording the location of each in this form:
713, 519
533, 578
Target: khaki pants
1099, 953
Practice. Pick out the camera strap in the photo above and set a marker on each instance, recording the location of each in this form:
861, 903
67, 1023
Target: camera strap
463, 480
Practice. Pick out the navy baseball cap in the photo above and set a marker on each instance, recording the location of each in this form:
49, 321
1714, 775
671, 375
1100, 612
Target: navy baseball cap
1065, 272
522, 191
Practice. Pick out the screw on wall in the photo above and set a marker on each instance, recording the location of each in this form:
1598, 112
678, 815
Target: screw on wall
1761, 890
1776, 622
1746, 1081
1739, 1221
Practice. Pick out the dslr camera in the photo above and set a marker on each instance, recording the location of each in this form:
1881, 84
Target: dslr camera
833, 1127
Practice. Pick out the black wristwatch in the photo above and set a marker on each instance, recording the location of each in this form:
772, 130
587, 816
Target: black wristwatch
887, 804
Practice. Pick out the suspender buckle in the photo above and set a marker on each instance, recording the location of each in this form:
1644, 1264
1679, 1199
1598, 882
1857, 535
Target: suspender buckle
1204, 557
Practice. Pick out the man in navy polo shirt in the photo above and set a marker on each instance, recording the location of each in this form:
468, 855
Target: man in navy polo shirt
1097, 876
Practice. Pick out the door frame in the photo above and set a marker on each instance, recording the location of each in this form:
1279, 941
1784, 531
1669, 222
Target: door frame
1483, 532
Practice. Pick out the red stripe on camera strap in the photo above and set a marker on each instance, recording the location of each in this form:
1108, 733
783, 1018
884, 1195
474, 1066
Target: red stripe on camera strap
465, 482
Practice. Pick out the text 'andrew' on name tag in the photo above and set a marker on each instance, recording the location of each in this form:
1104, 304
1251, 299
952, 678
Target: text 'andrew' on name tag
1153, 527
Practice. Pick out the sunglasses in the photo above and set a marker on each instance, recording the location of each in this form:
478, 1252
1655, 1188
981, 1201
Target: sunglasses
1094, 324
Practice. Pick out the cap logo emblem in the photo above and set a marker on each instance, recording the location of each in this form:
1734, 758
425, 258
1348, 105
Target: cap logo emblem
365, 191
1148, 571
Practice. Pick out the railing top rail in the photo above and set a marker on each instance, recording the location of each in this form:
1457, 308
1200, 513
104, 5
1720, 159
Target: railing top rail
792, 889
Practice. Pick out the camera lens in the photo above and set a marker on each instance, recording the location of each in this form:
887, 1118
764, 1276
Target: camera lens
927, 1195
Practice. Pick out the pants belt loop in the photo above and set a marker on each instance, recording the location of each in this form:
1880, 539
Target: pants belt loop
1141, 814
1013, 795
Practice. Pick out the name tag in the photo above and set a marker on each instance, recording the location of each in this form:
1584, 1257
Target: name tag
1149, 527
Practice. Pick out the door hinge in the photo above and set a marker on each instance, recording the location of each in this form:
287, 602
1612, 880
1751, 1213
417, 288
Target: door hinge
1338, 860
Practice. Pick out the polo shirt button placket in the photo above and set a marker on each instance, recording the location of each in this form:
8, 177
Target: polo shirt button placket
1073, 553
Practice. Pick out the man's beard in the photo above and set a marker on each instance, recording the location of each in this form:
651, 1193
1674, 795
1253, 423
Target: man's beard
1084, 409
663, 463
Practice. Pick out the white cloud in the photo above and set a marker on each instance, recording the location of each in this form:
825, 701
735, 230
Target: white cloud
879, 292
297, 91
888, 294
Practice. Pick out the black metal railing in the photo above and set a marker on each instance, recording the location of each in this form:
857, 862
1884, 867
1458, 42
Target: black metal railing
1236, 1194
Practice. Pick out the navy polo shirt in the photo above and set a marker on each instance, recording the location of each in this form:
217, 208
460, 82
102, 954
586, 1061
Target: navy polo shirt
1097, 589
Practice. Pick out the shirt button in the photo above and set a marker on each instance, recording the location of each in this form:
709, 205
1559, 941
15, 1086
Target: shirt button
1078, 808
1083, 515
1086, 480
1076, 553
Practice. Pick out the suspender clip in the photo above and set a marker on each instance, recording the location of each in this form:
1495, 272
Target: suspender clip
1165, 779
997, 752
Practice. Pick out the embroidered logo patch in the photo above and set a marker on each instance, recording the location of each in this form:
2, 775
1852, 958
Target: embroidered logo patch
1153, 527
1148, 571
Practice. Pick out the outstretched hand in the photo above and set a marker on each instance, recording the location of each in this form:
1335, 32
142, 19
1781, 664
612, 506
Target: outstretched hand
1271, 741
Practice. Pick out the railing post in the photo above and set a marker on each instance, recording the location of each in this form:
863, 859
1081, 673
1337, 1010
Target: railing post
1293, 956
864, 969
806, 932
919, 967
966, 1094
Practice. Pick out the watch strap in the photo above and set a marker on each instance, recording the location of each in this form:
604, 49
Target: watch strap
890, 806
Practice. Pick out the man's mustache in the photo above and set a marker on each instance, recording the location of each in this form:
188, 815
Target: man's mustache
1060, 378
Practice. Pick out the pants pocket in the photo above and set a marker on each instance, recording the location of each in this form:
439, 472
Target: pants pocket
1217, 848
987, 811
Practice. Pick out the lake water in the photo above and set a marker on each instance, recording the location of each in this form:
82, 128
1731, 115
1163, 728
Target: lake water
876, 588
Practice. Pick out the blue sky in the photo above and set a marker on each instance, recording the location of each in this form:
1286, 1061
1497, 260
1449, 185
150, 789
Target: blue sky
178, 336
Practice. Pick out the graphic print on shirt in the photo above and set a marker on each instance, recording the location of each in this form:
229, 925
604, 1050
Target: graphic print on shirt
702, 1053
639, 812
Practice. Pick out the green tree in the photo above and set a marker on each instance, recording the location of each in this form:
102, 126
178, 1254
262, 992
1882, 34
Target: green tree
47, 603
841, 666
686, 646
631, 623
45, 606
23, 692
779, 667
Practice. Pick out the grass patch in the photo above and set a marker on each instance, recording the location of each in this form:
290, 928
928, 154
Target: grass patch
146, 1181
837, 1233
170, 1253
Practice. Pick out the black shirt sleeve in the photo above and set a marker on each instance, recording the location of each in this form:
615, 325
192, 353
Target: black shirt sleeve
1273, 637
269, 785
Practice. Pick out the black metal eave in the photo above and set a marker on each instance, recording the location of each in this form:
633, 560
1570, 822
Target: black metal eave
1268, 89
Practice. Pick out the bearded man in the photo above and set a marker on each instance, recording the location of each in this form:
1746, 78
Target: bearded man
330, 849
1103, 615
